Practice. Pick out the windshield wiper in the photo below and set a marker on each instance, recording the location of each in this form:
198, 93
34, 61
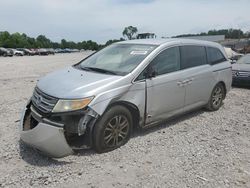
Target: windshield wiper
99, 70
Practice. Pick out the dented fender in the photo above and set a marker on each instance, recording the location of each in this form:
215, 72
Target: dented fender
133, 93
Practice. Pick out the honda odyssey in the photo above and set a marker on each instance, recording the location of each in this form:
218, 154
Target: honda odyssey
97, 102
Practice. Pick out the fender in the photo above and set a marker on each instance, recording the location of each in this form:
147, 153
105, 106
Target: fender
133, 93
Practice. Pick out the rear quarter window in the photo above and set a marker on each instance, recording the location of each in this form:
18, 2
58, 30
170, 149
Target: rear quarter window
214, 56
192, 56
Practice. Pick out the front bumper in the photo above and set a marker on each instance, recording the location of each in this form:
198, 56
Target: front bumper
241, 81
46, 138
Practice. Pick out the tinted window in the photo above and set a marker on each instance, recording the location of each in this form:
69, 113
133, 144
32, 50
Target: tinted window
192, 56
214, 56
167, 61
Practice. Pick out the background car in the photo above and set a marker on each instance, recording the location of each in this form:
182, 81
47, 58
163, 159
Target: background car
43, 51
241, 71
232, 55
26, 51
5, 52
51, 51
16, 52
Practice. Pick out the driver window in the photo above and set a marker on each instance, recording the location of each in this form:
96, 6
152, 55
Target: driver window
167, 61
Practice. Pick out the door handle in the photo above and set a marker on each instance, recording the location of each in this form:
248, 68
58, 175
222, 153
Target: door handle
179, 83
185, 82
190, 81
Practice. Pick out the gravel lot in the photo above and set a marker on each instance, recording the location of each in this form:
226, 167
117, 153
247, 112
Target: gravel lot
200, 149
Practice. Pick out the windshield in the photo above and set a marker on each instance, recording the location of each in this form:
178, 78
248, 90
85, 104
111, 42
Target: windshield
244, 60
119, 59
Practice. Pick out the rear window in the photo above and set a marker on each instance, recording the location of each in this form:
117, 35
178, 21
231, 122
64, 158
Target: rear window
214, 56
192, 56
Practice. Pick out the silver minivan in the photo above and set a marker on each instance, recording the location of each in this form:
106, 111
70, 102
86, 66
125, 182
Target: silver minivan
139, 83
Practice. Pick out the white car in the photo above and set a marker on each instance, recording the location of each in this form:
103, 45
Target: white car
17, 52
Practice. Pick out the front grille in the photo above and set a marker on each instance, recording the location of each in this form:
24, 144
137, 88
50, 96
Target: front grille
42, 101
241, 73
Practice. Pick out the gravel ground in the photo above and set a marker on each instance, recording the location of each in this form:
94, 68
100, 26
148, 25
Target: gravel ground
200, 149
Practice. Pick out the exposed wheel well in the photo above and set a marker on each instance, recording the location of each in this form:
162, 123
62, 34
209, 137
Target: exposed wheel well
224, 86
133, 110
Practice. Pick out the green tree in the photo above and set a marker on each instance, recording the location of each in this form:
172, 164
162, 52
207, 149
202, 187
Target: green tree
113, 41
43, 42
129, 32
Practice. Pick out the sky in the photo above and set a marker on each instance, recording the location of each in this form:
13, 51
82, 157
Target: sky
101, 20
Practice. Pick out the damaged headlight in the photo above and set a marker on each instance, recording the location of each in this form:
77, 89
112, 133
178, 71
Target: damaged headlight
64, 105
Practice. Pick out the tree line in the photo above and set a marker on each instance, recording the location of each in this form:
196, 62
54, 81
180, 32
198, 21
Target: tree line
21, 40
229, 33
18, 40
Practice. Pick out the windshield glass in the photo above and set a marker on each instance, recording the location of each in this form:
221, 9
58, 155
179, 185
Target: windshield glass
118, 59
244, 60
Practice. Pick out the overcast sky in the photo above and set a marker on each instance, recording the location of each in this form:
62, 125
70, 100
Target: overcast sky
101, 20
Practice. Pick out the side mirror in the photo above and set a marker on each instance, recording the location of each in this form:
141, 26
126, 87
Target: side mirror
233, 61
150, 73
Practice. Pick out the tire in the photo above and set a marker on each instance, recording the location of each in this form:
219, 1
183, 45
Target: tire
113, 129
216, 98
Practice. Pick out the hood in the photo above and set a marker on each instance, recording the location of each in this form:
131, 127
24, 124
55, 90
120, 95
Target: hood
241, 67
73, 83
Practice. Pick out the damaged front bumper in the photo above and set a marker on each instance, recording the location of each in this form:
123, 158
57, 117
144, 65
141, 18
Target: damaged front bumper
51, 137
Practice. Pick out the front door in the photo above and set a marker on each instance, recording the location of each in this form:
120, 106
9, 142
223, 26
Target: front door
165, 91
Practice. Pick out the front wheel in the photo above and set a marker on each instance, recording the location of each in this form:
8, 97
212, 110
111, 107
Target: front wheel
216, 98
112, 129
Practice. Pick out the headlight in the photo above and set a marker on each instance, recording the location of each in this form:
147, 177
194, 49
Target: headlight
71, 105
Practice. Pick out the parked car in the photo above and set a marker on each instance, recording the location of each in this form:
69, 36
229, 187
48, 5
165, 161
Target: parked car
51, 51
26, 51
75, 50
58, 50
16, 52
34, 51
43, 51
232, 55
98, 101
5, 52
241, 71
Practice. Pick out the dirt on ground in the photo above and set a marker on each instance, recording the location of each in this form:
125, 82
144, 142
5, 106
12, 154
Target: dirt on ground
199, 149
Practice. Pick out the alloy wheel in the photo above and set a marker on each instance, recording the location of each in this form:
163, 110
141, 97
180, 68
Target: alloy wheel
116, 130
217, 97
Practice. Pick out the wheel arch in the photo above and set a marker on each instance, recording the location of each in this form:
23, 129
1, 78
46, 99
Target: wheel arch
134, 110
224, 86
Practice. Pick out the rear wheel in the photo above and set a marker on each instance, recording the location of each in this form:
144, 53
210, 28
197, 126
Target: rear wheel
216, 98
113, 129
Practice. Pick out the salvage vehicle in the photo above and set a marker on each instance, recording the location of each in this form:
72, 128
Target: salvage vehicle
241, 71
98, 102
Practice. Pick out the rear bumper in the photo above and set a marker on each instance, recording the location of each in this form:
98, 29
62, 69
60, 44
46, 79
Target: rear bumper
46, 138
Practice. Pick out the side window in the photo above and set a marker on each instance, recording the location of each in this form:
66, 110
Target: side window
167, 61
192, 56
214, 56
